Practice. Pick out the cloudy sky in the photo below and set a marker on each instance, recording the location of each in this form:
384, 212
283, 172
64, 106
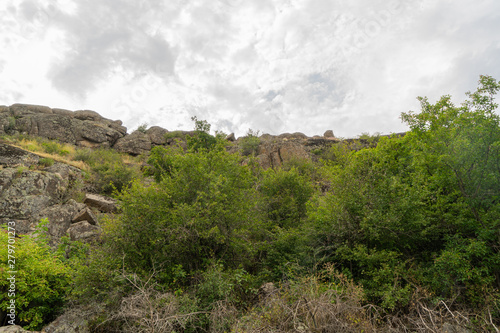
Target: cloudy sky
270, 65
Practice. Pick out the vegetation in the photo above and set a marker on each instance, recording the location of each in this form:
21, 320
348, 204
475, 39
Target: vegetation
249, 143
42, 279
398, 235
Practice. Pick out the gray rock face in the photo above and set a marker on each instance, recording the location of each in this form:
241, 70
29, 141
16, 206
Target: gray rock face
60, 217
24, 192
83, 231
272, 154
12, 157
84, 128
85, 215
28, 195
134, 144
102, 203
156, 135
69, 322
13, 329
329, 134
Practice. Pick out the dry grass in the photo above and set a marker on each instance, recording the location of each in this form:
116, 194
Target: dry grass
311, 305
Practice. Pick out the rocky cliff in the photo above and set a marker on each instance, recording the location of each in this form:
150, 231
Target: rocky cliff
89, 129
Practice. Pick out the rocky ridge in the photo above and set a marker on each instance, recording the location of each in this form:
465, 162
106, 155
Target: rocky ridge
86, 128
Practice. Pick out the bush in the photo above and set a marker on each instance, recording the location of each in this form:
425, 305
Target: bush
41, 282
46, 162
250, 143
109, 172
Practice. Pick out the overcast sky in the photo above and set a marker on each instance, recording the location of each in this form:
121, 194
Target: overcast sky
276, 66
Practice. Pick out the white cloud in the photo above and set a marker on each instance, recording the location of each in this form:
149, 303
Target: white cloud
275, 66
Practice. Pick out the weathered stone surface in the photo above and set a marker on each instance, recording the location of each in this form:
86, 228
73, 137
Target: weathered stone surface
63, 125
329, 134
273, 153
104, 204
60, 217
63, 170
156, 135
14, 329
135, 144
62, 112
87, 115
12, 156
231, 137
296, 135
19, 108
83, 231
69, 322
21, 226
25, 192
85, 215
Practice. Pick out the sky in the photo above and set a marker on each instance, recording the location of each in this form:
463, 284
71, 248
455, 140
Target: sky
273, 66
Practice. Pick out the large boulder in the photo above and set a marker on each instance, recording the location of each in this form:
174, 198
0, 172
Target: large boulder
84, 231
102, 203
134, 144
72, 321
84, 128
24, 192
60, 217
157, 135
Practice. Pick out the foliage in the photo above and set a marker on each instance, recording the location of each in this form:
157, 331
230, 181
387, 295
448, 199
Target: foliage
199, 209
384, 233
201, 140
249, 143
46, 162
109, 171
421, 209
142, 128
41, 280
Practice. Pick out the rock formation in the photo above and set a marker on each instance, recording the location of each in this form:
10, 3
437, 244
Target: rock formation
81, 128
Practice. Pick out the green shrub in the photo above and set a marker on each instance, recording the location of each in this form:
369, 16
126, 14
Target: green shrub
41, 280
109, 172
46, 162
250, 143
142, 128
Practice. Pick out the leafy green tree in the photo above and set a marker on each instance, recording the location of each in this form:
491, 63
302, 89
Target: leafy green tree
423, 206
200, 208
201, 140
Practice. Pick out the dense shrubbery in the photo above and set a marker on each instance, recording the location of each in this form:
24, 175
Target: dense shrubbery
402, 234
108, 171
42, 279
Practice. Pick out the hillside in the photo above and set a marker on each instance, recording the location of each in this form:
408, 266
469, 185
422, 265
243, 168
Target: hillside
186, 231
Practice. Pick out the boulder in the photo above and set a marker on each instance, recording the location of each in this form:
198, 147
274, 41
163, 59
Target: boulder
231, 137
134, 144
156, 135
60, 217
85, 215
83, 231
87, 115
18, 108
83, 127
13, 329
71, 321
296, 135
329, 134
24, 192
102, 203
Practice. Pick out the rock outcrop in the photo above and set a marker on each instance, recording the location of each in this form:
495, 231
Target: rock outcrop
30, 192
81, 128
